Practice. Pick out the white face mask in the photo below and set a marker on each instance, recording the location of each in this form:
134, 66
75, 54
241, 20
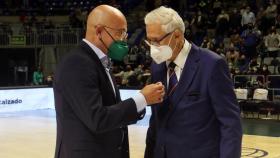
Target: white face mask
161, 54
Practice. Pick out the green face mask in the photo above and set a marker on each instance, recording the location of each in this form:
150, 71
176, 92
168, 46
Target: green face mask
118, 50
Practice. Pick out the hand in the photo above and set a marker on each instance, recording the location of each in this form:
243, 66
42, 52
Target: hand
153, 93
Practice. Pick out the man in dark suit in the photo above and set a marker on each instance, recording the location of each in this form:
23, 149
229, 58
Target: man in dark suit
199, 117
91, 118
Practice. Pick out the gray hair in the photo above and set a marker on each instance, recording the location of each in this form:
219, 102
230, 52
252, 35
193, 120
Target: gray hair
167, 17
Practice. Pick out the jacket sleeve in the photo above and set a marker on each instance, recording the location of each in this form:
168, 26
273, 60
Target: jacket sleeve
151, 137
227, 110
79, 85
151, 133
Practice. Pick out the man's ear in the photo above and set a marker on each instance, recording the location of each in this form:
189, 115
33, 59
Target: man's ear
177, 33
98, 30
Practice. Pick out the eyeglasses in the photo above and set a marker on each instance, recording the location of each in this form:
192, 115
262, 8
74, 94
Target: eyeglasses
121, 33
157, 42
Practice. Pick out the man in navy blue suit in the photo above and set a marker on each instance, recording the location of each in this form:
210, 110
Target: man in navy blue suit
199, 117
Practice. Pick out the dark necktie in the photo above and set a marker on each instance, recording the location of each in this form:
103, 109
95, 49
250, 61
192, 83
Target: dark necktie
173, 81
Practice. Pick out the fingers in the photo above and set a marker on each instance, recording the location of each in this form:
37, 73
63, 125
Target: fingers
158, 83
160, 92
154, 93
159, 86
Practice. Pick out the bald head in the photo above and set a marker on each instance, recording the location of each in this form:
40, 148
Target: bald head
105, 15
104, 25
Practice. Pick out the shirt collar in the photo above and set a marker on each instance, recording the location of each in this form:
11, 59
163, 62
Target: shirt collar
97, 51
182, 56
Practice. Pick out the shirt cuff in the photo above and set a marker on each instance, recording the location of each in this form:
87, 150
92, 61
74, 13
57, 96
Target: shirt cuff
140, 102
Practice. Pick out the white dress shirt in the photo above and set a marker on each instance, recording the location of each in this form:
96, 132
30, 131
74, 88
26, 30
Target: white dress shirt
180, 61
248, 18
139, 99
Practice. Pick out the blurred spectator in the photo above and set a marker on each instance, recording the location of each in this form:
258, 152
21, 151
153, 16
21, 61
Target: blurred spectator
49, 80
231, 69
248, 17
141, 56
198, 27
205, 42
242, 63
275, 62
134, 49
133, 82
254, 63
235, 21
139, 69
232, 56
272, 42
251, 39
222, 23
277, 22
253, 70
38, 76
211, 19
76, 19
217, 6
220, 52
236, 41
264, 71
237, 72
271, 13
146, 77
260, 20
127, 73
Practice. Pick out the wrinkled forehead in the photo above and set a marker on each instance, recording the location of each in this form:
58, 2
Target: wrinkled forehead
154, 31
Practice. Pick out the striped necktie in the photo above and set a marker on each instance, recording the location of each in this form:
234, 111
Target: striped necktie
173, 81
106, 62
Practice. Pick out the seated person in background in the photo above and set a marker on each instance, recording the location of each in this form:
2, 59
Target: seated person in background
253, 70
38, 76
128, 72
264, 71
49, 80
232, 55
272, 42
242, 63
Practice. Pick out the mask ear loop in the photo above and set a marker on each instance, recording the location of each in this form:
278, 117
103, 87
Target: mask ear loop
170, 41
170, 38
147, 43
109, 34
100, 38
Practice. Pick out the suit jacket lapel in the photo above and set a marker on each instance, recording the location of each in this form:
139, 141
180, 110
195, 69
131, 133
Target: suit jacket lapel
160, 74
118, 96
95, 58
188, 74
